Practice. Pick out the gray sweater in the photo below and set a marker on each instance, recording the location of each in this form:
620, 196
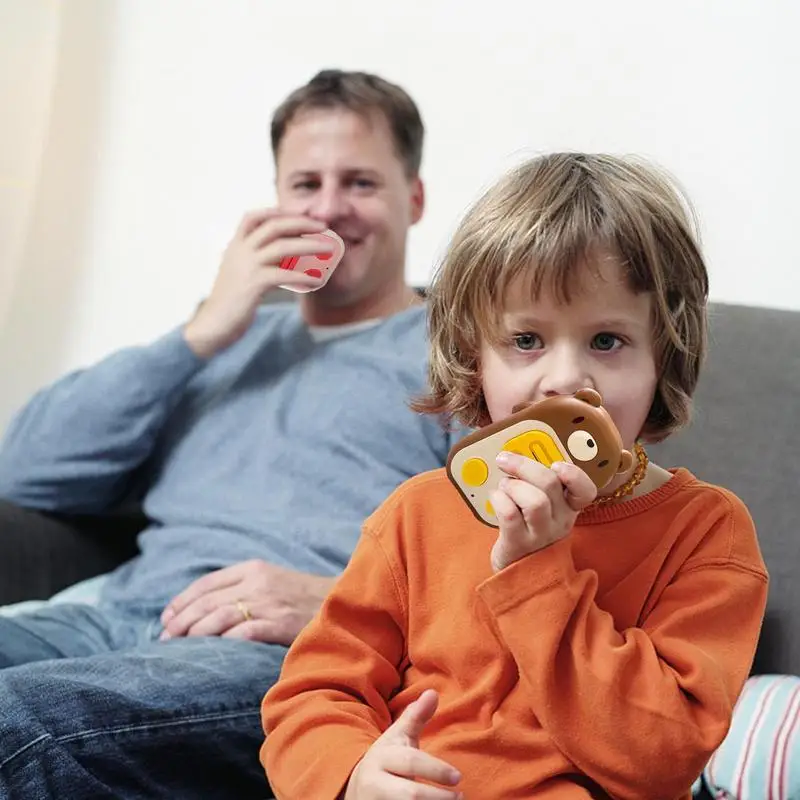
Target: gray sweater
276, 449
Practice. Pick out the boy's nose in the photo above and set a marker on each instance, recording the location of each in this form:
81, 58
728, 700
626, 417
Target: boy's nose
565, 376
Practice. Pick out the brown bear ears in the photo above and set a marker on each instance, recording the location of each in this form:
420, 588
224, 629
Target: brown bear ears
625, 461
587, 395
590, 396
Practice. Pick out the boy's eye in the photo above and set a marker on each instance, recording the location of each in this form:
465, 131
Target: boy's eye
527, 341
605, 341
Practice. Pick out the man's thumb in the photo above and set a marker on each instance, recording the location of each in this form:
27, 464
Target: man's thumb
415, 717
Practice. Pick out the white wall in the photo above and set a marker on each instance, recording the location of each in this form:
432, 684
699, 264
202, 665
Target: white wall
28, 45
159, 138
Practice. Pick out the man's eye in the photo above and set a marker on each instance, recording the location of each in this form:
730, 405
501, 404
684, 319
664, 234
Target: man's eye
306, 185
363, 183
527, 341
606, 341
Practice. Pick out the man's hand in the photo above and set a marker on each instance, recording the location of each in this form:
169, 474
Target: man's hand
249, 270
391, 767
252, 600
536, 505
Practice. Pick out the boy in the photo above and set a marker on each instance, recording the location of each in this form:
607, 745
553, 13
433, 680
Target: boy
591, 646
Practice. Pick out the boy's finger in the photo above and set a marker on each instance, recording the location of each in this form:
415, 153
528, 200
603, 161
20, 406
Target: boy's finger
513, 536
534, 504
541, 478
414, 718
408, 762
393, 787
580, 489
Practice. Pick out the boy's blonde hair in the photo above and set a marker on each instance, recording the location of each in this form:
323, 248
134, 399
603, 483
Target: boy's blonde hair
541, 223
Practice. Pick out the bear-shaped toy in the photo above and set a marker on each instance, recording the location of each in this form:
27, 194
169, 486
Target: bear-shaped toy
573, 428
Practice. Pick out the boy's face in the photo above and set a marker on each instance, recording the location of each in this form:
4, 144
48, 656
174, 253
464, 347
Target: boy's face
603, 339
340, 168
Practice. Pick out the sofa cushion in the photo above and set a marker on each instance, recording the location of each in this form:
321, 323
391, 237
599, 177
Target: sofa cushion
83, 593
760, 757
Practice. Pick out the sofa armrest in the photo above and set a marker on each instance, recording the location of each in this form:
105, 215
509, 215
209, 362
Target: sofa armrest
40, 554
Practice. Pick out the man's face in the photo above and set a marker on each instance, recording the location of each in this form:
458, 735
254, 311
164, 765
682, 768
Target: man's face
338, 167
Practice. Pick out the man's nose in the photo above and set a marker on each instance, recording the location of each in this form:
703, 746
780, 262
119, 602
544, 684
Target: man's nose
329, 205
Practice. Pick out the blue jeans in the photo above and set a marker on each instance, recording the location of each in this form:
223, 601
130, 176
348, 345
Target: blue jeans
94, 706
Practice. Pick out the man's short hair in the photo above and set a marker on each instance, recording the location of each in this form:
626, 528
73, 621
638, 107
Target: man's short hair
364, 94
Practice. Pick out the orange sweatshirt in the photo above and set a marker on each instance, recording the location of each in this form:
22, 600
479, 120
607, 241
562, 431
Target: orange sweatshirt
607, 664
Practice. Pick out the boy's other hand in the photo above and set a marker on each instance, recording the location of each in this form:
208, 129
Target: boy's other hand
536, 505
391, 767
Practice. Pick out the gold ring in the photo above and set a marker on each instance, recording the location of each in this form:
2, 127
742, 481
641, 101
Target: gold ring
242, 606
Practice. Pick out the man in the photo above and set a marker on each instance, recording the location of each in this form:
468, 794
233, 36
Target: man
258, 438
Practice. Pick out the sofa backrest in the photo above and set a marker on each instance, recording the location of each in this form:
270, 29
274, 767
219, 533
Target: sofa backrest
746, 436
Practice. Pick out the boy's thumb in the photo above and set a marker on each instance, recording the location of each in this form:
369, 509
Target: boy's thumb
415, 717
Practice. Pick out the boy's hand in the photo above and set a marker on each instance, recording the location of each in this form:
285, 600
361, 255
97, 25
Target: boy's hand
536, 505
391, 766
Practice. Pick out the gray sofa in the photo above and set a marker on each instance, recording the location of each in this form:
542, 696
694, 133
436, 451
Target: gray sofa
745, 436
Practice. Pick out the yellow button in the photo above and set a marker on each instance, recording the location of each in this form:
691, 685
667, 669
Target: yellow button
474, 472
519, 445
490, 508
537, 445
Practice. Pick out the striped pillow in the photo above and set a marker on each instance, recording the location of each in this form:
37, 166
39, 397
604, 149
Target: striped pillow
760, 757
